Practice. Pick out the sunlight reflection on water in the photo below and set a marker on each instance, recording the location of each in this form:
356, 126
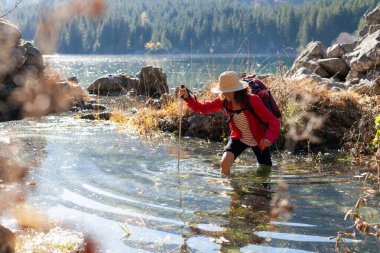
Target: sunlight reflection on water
194, 70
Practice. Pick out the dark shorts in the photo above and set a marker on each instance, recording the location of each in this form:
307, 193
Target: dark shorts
237, 147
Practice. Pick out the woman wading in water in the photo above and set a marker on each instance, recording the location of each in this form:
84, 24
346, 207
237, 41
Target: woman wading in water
247, 130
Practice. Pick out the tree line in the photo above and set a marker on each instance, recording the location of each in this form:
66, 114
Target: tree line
202, 26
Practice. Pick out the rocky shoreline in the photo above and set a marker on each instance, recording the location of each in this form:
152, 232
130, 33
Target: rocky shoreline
346, 66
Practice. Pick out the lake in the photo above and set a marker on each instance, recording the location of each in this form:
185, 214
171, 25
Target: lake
194, 70
100, 178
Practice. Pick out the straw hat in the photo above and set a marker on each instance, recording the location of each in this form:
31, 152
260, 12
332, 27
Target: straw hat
229, 81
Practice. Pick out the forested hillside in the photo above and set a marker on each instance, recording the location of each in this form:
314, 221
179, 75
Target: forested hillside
199, 26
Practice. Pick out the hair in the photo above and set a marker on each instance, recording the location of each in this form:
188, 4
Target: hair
240, 95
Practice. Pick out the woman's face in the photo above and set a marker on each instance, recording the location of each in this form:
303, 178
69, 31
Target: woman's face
228, 95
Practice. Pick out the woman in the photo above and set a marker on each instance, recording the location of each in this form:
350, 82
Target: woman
246, 129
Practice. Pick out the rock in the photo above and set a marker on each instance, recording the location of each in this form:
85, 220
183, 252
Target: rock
365, 87
207, 126
352, 74
373, 28
153, 82
368, 84
332, 84
314, 50
73, 79
308, 58
7, 241
306, 75
97, 116
322, 72
338, 50
33, 56
98, 107
113, 85
372, 21
366, 56
373, 17
167, 124
335, 66
373, 75
313, 66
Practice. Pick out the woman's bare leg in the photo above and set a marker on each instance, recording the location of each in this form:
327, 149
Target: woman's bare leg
226, 162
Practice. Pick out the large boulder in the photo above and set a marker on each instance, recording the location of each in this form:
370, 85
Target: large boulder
366, 56
372, 19
33, 56
153, 82
308, 59
335, 66
338, 50
207, 126
113, 84
314, 50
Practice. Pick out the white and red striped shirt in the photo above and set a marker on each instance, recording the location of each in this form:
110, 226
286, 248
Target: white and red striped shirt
241, 123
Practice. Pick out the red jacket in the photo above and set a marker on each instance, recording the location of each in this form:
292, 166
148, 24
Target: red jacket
257, 129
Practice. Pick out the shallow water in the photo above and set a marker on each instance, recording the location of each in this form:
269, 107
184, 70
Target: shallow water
97, 177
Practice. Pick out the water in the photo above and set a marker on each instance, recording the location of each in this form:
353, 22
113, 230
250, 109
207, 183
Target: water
98, 177
194, 70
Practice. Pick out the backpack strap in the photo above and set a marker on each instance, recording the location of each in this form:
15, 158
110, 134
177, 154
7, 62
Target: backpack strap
231, 111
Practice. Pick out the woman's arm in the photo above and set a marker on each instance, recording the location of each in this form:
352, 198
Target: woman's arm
204, 107
201, 107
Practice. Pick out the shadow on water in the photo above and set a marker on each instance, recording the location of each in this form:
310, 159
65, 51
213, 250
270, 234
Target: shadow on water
99, 179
